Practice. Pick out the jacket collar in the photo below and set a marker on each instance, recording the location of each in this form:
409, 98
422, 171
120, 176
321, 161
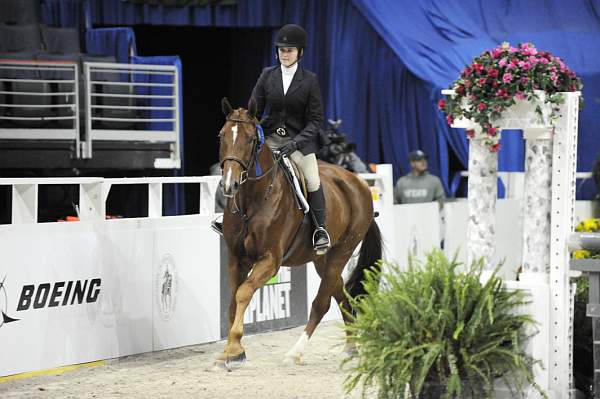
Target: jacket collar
296, 81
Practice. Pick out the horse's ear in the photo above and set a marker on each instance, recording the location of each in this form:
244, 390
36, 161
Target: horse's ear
226, 107
252, 107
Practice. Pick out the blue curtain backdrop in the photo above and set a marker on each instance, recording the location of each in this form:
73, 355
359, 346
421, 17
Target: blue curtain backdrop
382, 63
118, 42
65, 13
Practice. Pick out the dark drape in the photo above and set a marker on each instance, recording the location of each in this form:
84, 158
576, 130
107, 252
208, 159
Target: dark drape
118, 42
65, 13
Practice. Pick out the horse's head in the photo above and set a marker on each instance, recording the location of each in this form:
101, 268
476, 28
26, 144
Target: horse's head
238, 142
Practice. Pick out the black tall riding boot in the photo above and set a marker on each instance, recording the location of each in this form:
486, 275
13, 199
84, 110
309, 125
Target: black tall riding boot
321, 241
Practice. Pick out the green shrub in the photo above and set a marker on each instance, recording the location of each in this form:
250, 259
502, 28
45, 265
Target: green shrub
434, 331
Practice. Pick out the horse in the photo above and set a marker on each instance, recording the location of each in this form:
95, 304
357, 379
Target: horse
261, 222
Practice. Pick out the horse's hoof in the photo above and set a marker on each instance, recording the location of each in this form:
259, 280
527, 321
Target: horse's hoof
294, 360
228, 363
220, 366
235, 361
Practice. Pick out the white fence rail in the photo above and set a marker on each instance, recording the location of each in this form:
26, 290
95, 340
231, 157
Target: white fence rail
94, 191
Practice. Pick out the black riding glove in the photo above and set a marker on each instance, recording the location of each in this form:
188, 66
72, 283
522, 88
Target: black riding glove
288, 148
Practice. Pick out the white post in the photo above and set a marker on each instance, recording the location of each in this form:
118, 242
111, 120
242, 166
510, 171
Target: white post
208, 189
563, 204
538, 201
91, 201
155, 200
385, 221
482, 193
24, 203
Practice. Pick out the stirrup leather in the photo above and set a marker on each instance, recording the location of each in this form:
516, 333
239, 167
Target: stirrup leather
321, 249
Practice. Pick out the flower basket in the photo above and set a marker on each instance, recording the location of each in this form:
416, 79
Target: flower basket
534, 113
508, 88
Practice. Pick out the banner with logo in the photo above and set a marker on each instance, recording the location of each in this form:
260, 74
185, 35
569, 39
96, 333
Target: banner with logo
79, 292
185, 286
280, 303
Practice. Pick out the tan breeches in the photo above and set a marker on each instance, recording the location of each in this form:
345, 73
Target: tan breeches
309, 167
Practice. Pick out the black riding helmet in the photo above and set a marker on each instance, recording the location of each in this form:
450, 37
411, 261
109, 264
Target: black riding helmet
291, 36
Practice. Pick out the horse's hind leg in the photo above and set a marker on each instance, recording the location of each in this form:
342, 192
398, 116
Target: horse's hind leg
329, 269
342, 300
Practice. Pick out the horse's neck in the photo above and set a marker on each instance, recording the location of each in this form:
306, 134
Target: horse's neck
265, 160
267, 190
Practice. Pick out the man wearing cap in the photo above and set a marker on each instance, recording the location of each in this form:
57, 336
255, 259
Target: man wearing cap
418, 185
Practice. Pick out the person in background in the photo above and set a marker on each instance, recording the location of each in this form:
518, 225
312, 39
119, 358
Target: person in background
419, 185
336, 149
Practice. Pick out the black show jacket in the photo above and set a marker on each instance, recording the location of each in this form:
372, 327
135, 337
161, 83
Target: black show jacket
299, 111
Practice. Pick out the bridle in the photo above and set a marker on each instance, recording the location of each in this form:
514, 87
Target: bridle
245, 165
256, 147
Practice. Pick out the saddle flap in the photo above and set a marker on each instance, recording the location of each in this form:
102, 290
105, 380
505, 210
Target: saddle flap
301, 178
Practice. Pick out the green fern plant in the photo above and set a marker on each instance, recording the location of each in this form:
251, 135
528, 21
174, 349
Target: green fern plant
434, 331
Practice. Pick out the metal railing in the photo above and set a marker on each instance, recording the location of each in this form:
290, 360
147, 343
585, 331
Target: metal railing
43, 94
40, 100
131, 102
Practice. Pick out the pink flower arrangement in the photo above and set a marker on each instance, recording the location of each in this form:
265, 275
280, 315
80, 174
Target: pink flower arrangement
497, 78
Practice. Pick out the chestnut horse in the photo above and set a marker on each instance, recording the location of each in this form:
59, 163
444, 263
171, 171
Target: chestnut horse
262, 221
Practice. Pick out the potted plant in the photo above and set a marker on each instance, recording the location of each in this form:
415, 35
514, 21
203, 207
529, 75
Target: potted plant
434, 331
508, 78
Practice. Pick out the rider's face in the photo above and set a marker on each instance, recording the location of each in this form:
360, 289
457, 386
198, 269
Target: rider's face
287, 55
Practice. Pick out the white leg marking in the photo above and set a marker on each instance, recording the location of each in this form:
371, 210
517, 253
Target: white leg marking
295, 354
228, 180
234, 130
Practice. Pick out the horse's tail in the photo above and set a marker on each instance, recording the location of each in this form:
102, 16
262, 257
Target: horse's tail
370, 253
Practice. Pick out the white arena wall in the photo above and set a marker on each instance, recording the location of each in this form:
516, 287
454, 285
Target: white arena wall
127, 311
128, 256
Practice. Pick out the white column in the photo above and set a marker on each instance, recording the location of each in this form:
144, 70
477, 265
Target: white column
155, 200
482, 193
24, 203
91, 203
564, 164
538, 200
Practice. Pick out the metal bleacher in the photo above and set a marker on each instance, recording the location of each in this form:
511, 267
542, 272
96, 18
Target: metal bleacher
61, 108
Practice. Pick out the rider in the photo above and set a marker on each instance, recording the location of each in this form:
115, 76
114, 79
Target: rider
292, 98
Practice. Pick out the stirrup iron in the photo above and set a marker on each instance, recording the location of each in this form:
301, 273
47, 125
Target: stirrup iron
321, 249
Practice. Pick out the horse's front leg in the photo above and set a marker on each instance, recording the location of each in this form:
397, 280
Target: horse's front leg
261, 272
237, 272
